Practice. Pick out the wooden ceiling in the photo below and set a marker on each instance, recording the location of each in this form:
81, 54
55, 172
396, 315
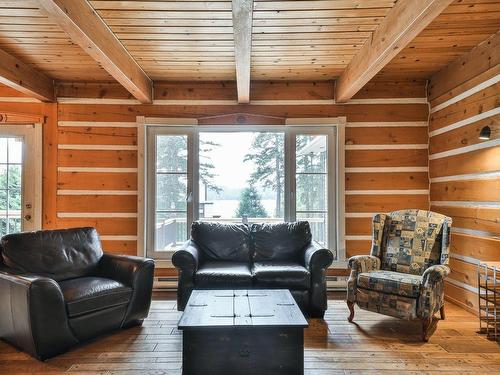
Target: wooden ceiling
291, 40
458, 29
27, 33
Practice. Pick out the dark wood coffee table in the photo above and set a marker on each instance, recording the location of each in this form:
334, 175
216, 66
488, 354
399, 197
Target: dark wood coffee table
240, 332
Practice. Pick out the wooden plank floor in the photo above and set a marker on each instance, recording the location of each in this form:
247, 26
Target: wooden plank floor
375, 344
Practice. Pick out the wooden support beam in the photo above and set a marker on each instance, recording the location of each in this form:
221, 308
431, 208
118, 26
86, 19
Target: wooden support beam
86, 28
22, 77
242, 29
401, 25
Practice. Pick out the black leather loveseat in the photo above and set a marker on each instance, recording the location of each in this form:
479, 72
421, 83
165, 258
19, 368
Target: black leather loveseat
57, 288
239, 256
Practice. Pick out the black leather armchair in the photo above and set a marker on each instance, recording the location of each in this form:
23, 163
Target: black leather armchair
266, 256
57, 289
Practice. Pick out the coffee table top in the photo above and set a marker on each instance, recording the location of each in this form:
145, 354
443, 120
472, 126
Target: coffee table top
238, 308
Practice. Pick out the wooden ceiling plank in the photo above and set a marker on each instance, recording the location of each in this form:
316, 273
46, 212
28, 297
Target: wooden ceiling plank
242, 28
401, 25
22, 77
87, 29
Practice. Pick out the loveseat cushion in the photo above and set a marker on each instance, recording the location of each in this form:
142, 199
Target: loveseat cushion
401, 284
222, 242
280, 241
232, 275
281, 275
58, 254
89, 294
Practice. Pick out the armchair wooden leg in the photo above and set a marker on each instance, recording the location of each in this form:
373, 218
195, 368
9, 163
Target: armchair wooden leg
350, 305
441, 313
428, 327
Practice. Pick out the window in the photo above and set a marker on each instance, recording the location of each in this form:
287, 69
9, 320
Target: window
238, 175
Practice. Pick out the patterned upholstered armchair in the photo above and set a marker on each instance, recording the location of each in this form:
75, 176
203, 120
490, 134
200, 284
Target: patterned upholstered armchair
404, 274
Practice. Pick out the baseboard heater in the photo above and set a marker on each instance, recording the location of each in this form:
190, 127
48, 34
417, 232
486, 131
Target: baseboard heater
169, 283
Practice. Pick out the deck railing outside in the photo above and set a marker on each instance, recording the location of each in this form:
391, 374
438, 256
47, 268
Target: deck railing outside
172, 233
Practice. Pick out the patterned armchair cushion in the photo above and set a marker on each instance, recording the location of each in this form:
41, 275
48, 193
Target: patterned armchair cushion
401, 284
413, 241
387, 304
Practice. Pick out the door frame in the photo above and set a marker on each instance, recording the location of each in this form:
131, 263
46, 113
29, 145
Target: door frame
29, 127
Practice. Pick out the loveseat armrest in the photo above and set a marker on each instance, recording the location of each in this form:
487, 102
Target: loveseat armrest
135, 272
33, 314
317, 257
187, 258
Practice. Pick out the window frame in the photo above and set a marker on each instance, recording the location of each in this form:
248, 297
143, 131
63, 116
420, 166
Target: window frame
148, 128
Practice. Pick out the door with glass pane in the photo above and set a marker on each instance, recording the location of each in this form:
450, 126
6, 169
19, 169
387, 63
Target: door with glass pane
18, 168
314, 183
170, 195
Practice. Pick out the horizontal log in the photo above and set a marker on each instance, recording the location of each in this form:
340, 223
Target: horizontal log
464, 136
99, 136
484, 160
357, 247
475, 218
470, 190
478, 103
96, 181
385, 203
354, 113
386, 181
386, 135
480, 248
97, 203
463, 272
386, 158
358, 226
116, 226
120, 247
97, 158
462, 297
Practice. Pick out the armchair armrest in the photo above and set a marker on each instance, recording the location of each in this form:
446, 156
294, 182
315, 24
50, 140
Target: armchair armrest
364, 263
33, 314
432, 293
359, 264
187, 258
135, 272
435, 274
317, 257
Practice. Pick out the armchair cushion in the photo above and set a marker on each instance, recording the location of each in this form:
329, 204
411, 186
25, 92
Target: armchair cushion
400, 284
387, 304
281, 241
57, 254
281, 274
89, 294
222, 242
224, 275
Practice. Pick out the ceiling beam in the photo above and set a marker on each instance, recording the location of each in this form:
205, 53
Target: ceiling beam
242, 29
22, 77
86, 28
401, 25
